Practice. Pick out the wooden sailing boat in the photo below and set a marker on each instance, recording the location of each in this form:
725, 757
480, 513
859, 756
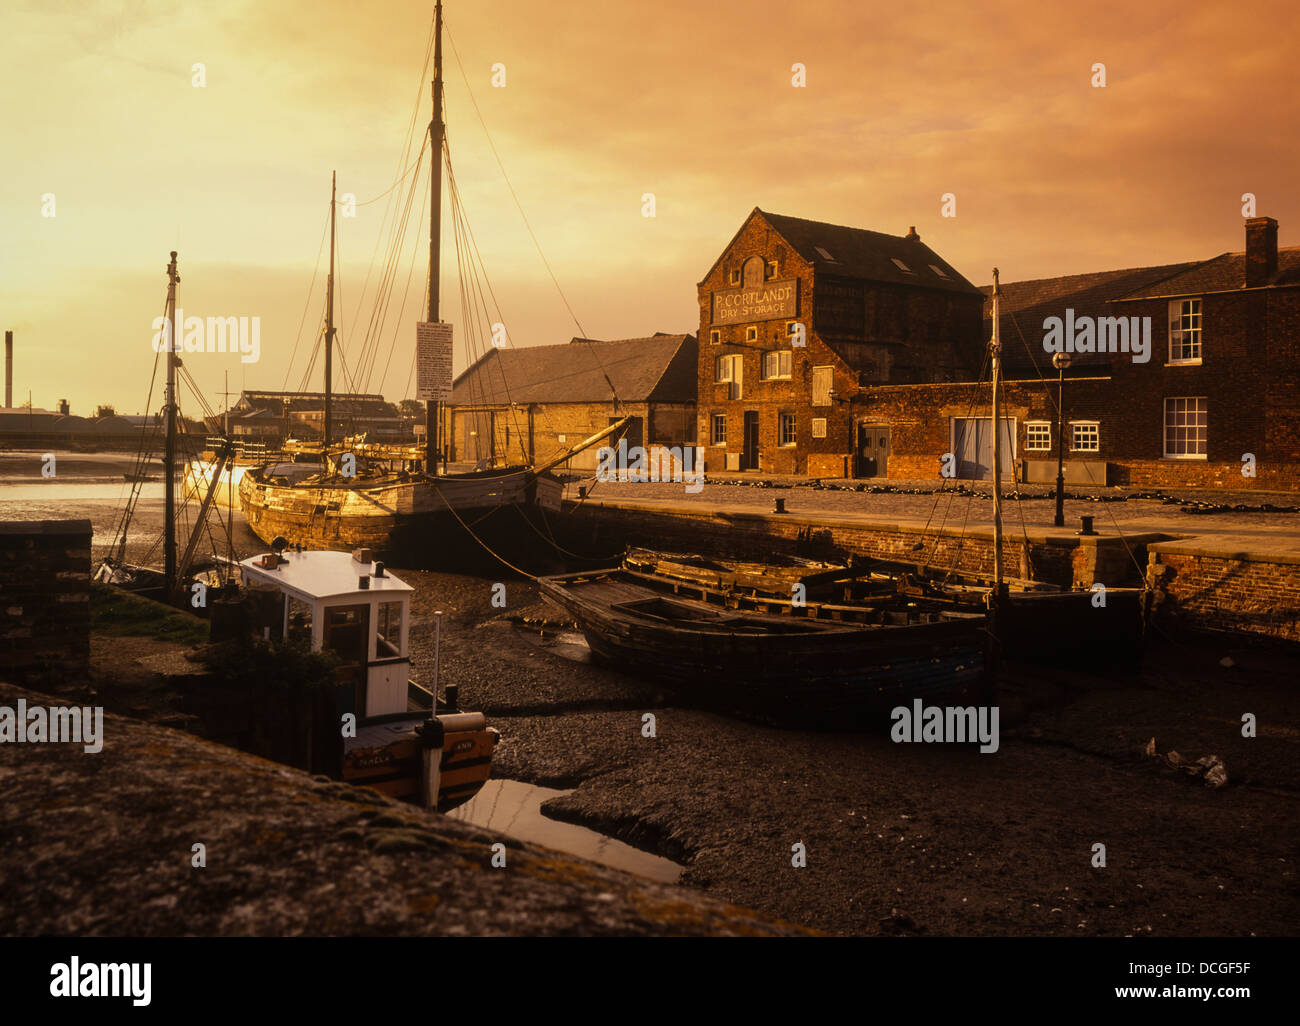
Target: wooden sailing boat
399, 501
181, 567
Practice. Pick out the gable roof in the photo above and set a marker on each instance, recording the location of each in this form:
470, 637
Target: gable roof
859, 253
1223, 273
1026, 304
657, 368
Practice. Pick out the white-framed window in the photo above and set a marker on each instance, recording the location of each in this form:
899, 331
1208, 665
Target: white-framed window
1085, 436
718, 429
823, 380
1038, 435
734, 277
785, 429
771, 268
715, 336
776, 364
728, 370
751, 334
1186, 427
819, 427
1185, 331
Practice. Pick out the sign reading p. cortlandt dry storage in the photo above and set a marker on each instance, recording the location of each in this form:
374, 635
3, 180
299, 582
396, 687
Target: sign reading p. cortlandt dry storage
763, 301
433, 361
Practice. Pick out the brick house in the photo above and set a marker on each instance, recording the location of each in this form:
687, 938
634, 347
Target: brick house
797, 317
525, 405
1218, 383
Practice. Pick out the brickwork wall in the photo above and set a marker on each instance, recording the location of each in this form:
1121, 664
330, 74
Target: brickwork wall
44, 599
1258, 594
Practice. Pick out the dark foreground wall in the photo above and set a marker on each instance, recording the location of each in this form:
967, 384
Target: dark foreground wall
44, 599
103, 844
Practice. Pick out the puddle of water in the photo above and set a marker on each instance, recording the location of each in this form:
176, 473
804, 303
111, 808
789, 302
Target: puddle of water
514, 808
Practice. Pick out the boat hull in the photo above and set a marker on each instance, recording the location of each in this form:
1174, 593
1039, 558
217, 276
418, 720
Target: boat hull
785, 669
412, 518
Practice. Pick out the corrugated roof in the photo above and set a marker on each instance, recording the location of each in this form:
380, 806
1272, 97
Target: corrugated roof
859, 253
1224, 273
1026, 304
659, 368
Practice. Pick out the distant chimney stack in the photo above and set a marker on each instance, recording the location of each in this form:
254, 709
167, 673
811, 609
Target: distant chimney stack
64, 408
911, 234
9, 369
1261, 250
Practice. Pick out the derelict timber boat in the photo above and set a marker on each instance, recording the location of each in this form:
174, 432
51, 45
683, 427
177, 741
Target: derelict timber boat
1035, 621
822, 665
403, 744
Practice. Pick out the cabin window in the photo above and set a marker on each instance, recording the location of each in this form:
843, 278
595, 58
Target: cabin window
786, 429
718, 430
1084, 436
1186, 427
388, 630
776, 364
298, 625
1038, 436
1185, 331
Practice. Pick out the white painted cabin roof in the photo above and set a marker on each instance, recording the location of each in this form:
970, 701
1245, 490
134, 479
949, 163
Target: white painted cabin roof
325, 575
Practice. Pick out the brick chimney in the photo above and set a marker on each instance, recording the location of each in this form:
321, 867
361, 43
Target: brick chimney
911, 234
1261, 250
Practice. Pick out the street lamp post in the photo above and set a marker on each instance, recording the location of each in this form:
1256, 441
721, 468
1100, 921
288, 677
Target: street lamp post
1060, 361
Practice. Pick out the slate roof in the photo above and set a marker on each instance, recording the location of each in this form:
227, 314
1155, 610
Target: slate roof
859, 253
1224, 273
658, 368
1026, 304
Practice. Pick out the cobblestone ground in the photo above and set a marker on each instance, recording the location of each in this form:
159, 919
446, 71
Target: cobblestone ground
1178, 512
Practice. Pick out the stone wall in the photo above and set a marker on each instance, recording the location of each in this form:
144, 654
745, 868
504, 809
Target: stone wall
44, 599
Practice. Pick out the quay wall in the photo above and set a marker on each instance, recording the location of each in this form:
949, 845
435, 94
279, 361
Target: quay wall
44, 599
1062, 559
1207, 590
1199, 588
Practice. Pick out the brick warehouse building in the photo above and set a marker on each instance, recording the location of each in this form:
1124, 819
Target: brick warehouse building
1220, 382
527, 404
874, 309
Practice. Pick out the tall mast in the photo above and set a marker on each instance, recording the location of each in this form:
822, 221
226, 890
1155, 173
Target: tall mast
329, 318
995, 355
436, 133
169, 453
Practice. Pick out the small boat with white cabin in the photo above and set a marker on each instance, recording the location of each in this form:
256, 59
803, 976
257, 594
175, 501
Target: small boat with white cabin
400, 741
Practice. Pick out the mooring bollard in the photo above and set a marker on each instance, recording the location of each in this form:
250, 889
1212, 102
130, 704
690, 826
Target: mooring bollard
780, 506
582, 491
1087, 526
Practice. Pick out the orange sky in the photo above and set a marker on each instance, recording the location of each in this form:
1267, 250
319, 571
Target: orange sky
603, 102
